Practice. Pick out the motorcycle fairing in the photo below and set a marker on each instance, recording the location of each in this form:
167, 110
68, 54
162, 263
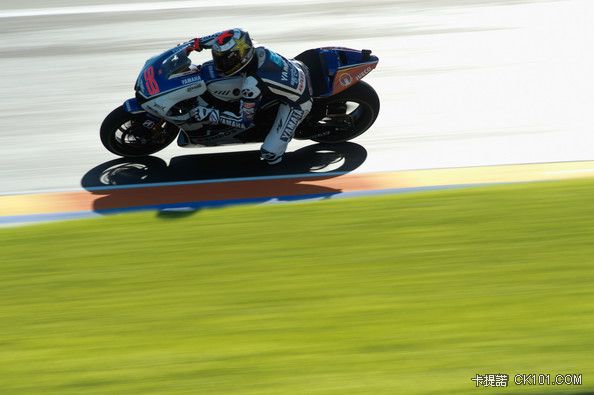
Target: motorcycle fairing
132, 106
167, 80
334, 69
347, 76
168, 72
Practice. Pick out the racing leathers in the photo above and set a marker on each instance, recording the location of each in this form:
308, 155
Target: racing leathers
272, 76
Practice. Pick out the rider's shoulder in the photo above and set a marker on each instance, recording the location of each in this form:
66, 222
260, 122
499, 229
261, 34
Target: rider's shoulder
269, 61
261, 54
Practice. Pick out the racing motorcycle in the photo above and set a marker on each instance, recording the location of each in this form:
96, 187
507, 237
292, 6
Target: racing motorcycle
169, 86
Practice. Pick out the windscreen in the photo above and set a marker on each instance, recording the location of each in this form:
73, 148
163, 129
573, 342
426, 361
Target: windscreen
153, 78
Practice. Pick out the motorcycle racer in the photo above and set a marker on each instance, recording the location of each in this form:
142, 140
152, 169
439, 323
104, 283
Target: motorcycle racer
265, 73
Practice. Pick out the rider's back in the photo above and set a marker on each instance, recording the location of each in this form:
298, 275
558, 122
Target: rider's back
281, 77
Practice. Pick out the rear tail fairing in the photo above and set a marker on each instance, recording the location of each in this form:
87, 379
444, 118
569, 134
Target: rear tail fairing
335, 69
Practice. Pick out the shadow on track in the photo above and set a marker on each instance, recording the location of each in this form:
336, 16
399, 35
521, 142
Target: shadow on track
115, 182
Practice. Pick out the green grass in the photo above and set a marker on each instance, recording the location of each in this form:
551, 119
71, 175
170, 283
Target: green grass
409, 294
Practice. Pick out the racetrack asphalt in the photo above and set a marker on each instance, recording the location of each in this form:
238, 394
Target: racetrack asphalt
462, 83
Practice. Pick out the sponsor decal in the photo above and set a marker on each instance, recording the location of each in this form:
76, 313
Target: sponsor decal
346, 80
157, 107
348, 76
294, 76
228, 121
286, 137
276, 59
235, 124
190, 80
285, 72
301, 86
363, 73
151, 85
194, 87
292, 124
212, 72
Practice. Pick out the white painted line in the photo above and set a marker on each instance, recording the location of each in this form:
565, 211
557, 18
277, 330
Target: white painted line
135, 7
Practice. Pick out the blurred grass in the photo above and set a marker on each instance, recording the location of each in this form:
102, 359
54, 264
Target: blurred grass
409, 294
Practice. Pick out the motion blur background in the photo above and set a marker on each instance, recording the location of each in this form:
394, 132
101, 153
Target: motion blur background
461, 82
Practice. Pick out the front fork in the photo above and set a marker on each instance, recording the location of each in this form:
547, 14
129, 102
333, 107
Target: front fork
150, 125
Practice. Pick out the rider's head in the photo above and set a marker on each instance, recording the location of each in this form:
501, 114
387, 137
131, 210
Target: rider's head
232, 51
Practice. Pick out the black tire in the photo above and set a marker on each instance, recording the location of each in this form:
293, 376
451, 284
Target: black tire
358, 121
129, 135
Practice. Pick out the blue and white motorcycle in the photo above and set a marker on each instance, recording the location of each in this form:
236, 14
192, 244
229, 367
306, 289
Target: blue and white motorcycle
169, 85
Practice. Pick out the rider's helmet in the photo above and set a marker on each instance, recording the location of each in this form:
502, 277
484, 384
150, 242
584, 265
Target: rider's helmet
232, 51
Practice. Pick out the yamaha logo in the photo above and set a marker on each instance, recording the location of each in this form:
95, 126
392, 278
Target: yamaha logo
190, 80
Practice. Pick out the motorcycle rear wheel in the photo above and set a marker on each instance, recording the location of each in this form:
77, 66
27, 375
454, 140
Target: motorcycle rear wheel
347, 115
135, 135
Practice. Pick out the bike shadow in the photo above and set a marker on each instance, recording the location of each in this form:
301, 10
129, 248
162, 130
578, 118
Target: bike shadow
116, 182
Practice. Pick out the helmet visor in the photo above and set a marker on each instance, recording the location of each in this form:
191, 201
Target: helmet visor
227, 63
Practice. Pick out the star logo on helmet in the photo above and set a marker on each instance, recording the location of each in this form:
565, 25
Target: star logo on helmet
242, 46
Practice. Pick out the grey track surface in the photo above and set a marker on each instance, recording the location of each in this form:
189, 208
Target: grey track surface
465, 82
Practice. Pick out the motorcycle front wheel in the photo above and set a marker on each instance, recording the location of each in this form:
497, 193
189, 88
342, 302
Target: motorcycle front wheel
135, 135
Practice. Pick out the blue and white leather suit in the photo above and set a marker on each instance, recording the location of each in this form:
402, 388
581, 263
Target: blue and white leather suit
272, 76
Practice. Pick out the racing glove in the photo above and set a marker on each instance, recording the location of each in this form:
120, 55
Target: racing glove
209, 115
194, 45
205, 114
